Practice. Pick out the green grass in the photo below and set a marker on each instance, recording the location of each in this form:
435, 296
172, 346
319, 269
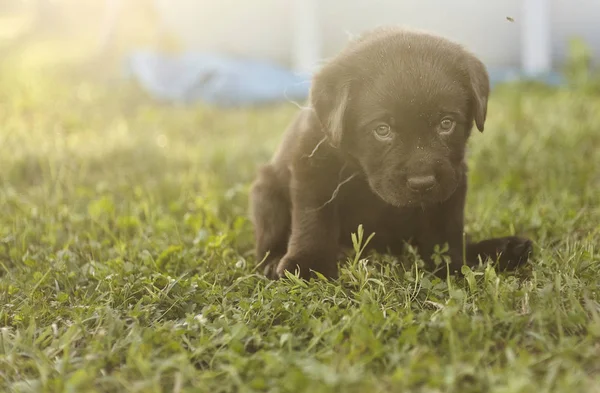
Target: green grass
126, 257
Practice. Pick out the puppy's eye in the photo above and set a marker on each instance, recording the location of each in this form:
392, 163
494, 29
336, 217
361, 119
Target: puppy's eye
446, 125
383, 132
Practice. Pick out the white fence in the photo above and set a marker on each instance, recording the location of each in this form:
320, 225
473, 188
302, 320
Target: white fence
527, 34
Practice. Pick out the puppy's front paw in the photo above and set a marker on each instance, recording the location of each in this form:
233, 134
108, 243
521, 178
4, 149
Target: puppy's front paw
270, 269
305, 267
513, 251
269, 265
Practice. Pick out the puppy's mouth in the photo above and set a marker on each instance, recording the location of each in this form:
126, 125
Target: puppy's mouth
404, 196
421, 199
433, 196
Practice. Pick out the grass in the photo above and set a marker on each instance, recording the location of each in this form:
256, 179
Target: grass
126, 257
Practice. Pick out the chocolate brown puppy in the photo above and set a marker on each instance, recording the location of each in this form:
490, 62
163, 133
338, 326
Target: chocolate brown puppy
382, 144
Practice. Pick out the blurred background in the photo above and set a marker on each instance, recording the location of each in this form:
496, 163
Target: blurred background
232, 52
168, 98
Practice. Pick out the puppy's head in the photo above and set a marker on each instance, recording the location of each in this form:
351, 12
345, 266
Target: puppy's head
402, 104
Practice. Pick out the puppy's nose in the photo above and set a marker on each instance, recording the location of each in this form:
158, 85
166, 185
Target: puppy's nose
421, 183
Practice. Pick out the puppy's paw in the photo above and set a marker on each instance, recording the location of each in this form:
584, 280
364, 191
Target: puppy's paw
305, 267
293, 266
270, 269
269, 265
513, 251
508, 252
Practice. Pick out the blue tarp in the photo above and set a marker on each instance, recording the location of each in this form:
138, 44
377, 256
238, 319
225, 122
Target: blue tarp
214, 79
504, 75
229, 82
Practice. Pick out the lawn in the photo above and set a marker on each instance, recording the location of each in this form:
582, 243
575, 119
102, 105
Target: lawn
126, 256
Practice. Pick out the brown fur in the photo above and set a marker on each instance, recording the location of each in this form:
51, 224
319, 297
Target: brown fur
332, 172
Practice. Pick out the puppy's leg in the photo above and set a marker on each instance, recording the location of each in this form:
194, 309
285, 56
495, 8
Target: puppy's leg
440, 225
510, 252
270, 214
314, 240
445, 224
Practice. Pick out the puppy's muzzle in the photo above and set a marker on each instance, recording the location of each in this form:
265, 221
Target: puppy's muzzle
421, 183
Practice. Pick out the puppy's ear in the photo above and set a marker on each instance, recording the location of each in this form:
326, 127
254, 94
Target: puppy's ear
480, 90
329, 98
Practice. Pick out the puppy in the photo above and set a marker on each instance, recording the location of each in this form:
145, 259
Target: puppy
383, 145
